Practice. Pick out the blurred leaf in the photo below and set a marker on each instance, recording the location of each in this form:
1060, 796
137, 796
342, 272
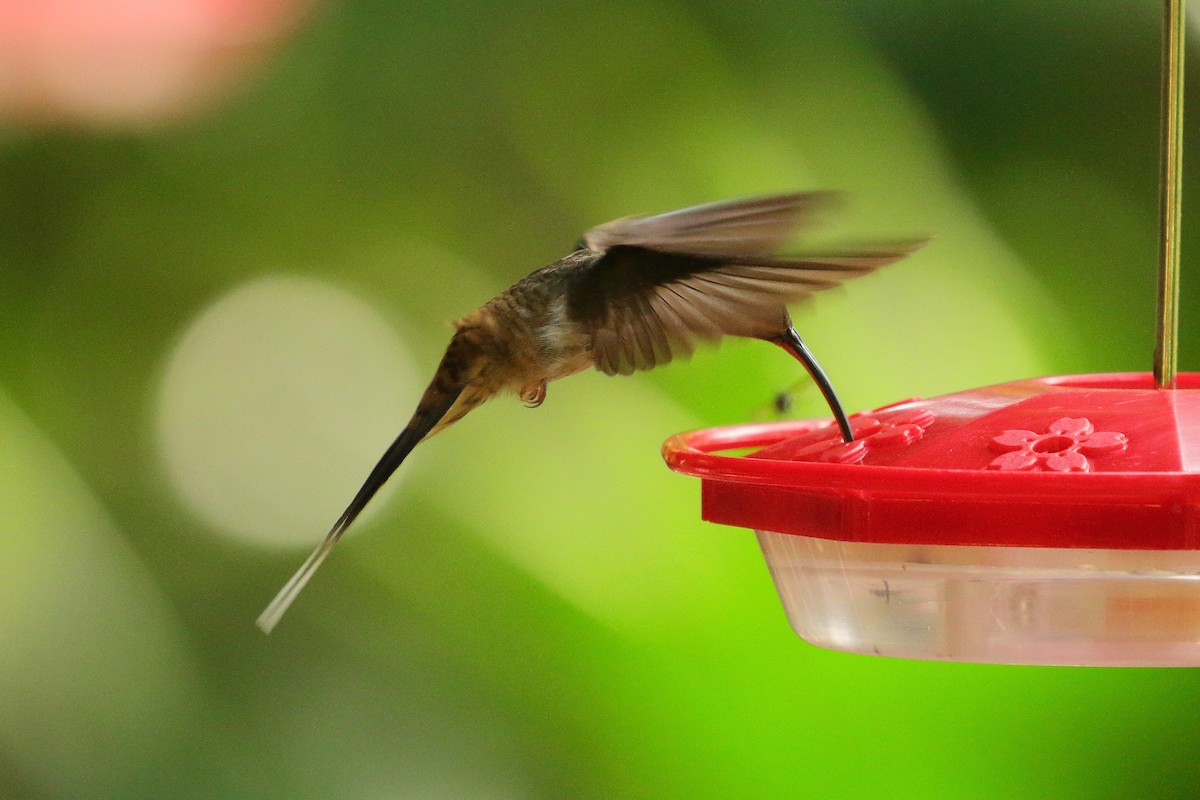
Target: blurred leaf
95, 686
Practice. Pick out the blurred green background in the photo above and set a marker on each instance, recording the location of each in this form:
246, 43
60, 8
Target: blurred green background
214, 317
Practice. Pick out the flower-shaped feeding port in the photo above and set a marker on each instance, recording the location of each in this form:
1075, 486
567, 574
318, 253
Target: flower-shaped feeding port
1066, 447
880, 429
1046, 521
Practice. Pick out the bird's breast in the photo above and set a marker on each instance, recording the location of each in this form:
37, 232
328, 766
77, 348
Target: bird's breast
564, 349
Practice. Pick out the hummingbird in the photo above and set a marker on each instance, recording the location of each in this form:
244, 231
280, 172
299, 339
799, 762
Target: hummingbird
635, 294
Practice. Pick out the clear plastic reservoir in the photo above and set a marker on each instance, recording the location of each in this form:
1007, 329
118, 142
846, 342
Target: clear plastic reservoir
1024, 605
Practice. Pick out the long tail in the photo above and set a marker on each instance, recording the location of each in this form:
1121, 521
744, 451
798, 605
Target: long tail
433, 407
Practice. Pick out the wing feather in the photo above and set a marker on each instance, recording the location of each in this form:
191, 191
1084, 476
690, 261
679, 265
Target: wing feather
644, 308
753, 226
652, 287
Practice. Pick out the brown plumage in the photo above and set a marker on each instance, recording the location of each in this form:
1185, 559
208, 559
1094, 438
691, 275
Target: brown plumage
637, 293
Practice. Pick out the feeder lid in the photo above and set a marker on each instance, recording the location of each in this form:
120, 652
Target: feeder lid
1082, 461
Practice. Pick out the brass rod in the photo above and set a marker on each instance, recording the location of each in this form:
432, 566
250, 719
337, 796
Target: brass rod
1170, 188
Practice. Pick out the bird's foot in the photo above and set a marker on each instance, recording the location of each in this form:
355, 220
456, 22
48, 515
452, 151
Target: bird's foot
533, 396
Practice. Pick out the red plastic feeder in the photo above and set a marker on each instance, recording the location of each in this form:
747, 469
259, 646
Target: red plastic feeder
1047, 521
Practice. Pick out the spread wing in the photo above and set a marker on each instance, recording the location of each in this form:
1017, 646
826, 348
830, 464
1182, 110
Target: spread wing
755, 226
658, 285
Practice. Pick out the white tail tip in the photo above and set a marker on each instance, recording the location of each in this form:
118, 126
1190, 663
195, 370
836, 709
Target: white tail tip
275, 610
